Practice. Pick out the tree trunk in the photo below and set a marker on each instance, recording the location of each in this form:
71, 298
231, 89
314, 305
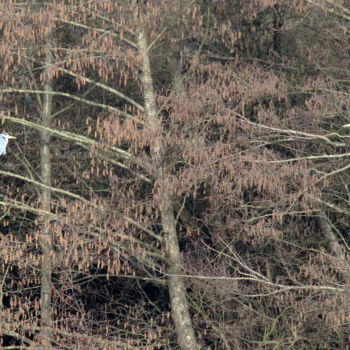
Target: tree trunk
45, 239
177, 289
336, 248
176, 285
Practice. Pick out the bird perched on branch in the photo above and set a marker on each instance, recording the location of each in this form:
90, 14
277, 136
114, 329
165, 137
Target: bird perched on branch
4, 139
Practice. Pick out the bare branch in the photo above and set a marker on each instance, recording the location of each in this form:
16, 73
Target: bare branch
293, 132
105, 87
76, 98
98, 30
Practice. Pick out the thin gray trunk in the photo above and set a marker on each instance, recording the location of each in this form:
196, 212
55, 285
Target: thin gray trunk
175, 68
336, 248
46, 239
176, 285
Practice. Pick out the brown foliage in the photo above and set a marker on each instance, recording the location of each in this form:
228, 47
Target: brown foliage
253, 157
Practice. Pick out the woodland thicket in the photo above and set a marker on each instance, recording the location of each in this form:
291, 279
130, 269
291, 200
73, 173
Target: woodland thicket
180, 177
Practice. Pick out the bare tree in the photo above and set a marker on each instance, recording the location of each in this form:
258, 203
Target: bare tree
198, 192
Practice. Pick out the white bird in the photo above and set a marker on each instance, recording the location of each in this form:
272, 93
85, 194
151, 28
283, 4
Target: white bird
4, 139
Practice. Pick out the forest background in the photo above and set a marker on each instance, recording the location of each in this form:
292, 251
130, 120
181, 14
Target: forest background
180, 178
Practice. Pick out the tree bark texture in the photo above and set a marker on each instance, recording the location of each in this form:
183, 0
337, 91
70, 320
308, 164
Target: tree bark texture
46, 241
176, 285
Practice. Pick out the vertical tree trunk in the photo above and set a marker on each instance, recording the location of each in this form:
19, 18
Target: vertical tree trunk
177, 290
334, 244
46, 241
175, 68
